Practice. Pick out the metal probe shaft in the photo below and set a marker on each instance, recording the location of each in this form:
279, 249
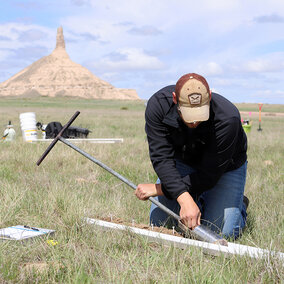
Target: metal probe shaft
200, 232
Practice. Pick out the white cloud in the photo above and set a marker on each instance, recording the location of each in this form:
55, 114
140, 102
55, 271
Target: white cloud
281, 93
210, 69
128, 59
273, 18
21, 35
145, 31
4, 53
268, 95
31, 35
28, 5
271, 63
80, 2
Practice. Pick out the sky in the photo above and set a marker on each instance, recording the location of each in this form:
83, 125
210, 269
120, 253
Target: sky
237, 45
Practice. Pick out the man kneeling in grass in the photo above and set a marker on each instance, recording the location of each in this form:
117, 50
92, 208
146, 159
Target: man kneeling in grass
198, 147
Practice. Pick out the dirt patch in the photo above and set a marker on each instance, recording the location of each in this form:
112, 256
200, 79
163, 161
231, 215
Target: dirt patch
268, 163
162, 230
40, 266
35, 266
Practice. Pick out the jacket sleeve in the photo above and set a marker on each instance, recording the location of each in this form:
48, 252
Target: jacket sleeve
162, 151
216, 157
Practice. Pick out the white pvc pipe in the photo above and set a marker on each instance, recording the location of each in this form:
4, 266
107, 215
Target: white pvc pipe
91, 140
213, 249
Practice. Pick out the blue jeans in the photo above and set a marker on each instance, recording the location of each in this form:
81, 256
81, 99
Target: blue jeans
222, 207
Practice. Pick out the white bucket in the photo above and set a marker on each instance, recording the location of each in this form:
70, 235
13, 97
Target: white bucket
43, 131
28, 126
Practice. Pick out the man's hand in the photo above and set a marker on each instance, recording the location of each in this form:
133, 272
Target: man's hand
189, 212
144, 191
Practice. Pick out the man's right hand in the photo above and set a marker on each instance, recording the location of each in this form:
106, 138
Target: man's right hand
189, 211
146, 190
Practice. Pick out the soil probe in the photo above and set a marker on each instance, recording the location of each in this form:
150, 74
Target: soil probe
200, 232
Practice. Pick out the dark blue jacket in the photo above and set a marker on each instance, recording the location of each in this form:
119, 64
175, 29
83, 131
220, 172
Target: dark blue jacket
216, 146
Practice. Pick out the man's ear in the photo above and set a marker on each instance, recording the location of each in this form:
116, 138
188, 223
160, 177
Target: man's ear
210, 95
174, 98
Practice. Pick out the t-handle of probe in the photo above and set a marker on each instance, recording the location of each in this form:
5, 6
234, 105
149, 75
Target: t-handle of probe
59, 135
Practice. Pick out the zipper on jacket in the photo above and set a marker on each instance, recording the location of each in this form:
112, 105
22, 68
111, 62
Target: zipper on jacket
183, 151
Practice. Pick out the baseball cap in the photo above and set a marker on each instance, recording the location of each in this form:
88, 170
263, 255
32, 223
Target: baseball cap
193, 96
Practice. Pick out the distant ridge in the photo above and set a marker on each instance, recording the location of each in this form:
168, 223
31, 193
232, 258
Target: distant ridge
57, 75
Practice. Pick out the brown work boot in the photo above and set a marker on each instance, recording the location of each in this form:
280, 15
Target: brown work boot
246, 202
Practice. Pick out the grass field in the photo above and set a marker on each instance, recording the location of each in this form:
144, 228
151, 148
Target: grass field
67, 187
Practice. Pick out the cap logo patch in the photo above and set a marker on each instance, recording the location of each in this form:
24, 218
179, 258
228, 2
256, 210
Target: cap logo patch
195, 99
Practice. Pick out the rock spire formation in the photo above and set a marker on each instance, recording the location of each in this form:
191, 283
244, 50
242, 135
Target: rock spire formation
57, 75
60, 42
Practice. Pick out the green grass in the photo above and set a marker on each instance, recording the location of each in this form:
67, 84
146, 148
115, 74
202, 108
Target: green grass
67, 187
69, 103
265, 107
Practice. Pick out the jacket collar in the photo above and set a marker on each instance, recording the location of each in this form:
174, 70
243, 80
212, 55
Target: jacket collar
172, 117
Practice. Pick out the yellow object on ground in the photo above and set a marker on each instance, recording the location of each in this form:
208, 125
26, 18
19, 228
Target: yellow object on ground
52, 242
247, 128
